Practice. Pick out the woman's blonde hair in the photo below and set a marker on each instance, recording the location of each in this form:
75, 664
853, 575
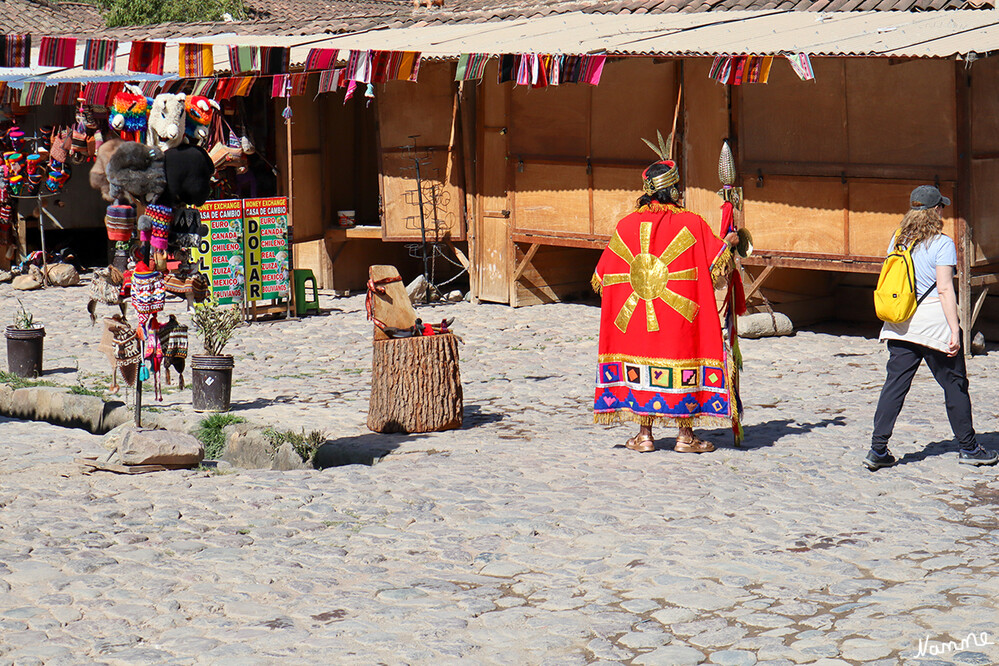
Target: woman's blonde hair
919, 225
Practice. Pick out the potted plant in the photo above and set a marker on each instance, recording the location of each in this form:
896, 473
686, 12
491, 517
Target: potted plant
24, 344
211, 372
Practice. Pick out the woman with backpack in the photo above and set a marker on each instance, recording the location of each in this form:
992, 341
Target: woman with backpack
932, 334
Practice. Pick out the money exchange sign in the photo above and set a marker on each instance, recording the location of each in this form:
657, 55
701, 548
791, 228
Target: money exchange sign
265, 233
219, 256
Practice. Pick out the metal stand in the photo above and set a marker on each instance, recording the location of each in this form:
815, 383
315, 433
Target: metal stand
138, 384
42, 213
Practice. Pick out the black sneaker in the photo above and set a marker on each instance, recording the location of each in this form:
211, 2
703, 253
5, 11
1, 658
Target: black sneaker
875, 462
980, 456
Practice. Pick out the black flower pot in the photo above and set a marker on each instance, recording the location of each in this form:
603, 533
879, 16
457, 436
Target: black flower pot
24, 350
211, 382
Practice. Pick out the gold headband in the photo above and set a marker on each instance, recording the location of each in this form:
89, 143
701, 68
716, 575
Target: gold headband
662, 181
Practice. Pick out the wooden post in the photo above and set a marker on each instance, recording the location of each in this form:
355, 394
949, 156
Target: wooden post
291, 216
962, 209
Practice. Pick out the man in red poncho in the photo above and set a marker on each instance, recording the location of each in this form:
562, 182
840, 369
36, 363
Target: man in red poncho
662, 356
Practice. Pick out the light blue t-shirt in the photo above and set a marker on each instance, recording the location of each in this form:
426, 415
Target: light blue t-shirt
936, 251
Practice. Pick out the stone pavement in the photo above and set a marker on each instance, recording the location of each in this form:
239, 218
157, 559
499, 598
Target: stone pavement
530, 536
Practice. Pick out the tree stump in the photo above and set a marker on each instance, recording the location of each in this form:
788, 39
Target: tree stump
415, 385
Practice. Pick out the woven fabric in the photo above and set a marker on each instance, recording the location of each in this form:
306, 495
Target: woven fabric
330, 80
99, 54
321, 58
409, 66
32, 93
149, 88
243, 59
380, 61
471, 66
279, 86
148, 295
204, 87
243, 86
195, 61
120, 222
298, 83
17, 50
359, 66
147, 57
67, 94
57, 52
274, 59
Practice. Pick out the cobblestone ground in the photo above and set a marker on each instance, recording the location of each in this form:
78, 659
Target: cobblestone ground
529, 536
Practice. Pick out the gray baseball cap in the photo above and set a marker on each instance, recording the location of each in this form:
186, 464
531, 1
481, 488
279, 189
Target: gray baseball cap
927, 196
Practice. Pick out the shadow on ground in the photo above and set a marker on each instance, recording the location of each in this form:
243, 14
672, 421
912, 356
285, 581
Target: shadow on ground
360, 450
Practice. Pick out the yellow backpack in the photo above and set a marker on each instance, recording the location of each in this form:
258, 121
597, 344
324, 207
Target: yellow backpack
895, 296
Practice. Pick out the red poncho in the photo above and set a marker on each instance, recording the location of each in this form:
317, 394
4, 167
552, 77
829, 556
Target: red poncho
661, 354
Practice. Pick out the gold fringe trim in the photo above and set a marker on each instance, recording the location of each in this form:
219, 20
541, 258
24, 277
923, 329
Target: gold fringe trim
720, 266
625, 416
656, 207
597, 284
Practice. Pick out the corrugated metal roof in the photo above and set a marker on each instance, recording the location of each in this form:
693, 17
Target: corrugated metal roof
898, 34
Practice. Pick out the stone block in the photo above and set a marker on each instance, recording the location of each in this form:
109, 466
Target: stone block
247, 447
142, 446
285, 458
763, 325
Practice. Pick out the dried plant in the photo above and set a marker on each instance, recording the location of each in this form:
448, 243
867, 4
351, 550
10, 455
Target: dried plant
214, 324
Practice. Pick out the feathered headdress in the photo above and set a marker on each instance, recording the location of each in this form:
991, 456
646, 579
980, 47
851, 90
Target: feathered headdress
665, 180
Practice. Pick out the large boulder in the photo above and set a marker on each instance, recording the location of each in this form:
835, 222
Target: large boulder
63, 275
247, 447
142, 446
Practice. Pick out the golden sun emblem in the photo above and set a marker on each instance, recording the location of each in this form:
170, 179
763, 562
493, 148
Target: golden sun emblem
649, 277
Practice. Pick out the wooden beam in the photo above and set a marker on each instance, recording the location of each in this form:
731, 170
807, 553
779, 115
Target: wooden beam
758, 282
962, 194
979, 302
458, 253
525, 261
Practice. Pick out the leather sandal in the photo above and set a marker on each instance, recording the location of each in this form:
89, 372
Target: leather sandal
692, 445
641, 443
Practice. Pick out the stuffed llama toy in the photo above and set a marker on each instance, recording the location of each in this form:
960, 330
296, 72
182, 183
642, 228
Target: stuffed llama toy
165, 128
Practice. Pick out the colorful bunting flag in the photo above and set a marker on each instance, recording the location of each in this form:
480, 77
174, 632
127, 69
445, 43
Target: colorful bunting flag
147, 57
32, 93
243, 86
802, 66
99, 54
274, 59
471, 66
279, 86
195, 61
298, 83
409, 66
331, 79
593, 69
321, 59
359, 66
507, 70
57, 52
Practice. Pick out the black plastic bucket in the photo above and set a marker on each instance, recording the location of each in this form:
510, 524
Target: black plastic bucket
211, 383
24, 351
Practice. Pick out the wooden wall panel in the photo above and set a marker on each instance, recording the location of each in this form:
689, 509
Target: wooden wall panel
553, 121
901, 113
493, 246
876, 210
705, 110
985, 105
615, 191
423, 108
647, 89
307, 170
984, 194
796, 214
400, 202
791, 120
551, 198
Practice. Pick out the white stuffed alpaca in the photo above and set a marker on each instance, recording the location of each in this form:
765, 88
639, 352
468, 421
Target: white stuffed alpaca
166, 121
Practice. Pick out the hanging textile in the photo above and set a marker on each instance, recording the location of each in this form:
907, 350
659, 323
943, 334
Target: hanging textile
507, 69
298, 83
195, 61
225, 88
739, 70
555, 70
392, 68
593, 69
149, 88
274, 59
244, 59
409, 66
768, 61
321, 59
67, 94
524, 70
540, 72
245, 83
359, 66
471, 66
203, 87
17, 51
96, 93
32, 93
279, 86
99, 54
351, 89
57, 52
330, 80
802, 66
147, 57
379, 66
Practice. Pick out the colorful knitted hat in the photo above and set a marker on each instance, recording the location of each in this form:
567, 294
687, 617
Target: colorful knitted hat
157, 218
120, 221
148, 295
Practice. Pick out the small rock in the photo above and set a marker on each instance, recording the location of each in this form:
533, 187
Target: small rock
978, 343
63, 275
733, 658
762, 325
141, 446
674, 655
26, 283
455, 296
247, 447
421, 291
6, 276
286, 458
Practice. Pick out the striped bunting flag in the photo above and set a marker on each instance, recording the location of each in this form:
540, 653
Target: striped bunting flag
57, 52
67, 94
203, 87
16, 51
243, 59
243, 86
330, 80
299, 82
471, 66
99, 54
32, 93
147, 57
279, 86
359, 66
409, 66
274, 59
150, 88
195, 61
100, 93
321, 58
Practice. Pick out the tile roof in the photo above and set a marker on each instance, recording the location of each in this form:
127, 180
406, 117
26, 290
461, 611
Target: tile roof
41, 17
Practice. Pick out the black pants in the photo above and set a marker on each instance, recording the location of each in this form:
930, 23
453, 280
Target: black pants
950, 373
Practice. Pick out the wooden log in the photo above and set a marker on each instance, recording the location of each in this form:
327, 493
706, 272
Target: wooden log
393, 307
415, 385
